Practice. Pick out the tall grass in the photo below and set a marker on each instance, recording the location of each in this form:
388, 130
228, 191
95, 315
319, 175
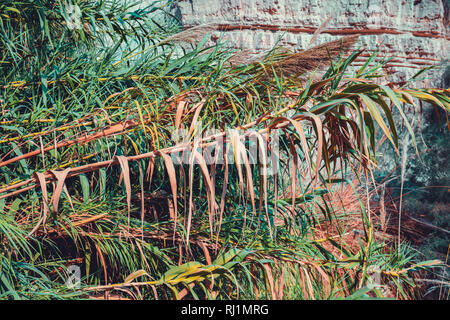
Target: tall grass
90, 177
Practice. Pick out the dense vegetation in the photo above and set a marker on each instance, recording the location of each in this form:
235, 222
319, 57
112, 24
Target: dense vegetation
91, 94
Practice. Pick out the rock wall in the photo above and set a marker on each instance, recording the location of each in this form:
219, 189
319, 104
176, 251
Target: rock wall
415, 31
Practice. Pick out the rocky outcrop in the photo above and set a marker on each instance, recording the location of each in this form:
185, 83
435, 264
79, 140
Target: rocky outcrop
414, 31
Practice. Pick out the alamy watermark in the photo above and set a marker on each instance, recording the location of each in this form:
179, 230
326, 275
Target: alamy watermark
74, 279
232, 147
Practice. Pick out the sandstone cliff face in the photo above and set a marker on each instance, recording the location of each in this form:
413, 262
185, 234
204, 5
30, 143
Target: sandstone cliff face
416, 31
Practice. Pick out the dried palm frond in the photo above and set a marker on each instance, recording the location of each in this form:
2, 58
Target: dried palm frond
314, 58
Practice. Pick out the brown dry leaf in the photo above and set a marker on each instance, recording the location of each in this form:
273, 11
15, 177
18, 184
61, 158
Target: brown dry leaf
211, 194
123, 161
237, 157
155, 293
270, 280
299, 128
173, 182
248, 172
301, 279
281, 284
186, 290
191, 205
60, 177
325, 278
198, 108
206, 252
41, 178
264, 159
179, 114
309, 284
